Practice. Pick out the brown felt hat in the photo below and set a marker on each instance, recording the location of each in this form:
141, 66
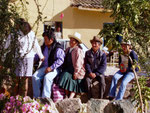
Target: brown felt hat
96, 39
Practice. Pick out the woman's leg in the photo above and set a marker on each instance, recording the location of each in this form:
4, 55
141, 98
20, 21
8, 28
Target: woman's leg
23, 71
26, 86
23, 86
72, 95
67, 93
16, 87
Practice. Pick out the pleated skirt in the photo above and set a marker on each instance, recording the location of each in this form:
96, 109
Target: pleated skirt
67, 82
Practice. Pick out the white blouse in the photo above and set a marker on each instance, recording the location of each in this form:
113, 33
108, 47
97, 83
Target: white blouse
29, 45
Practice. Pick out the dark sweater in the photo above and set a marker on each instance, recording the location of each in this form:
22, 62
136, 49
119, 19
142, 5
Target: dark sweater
95, 62
52, 52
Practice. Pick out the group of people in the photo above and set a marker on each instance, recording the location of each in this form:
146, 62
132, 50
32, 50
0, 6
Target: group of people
74, 69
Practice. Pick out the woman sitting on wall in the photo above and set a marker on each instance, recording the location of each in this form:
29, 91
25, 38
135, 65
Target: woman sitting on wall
73, 68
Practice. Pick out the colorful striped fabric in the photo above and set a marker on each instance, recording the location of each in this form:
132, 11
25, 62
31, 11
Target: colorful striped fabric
58, 93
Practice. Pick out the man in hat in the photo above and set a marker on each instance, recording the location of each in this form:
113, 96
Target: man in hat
125, 63
95, 65
49, 69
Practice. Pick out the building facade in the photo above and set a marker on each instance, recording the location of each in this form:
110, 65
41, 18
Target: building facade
84, 16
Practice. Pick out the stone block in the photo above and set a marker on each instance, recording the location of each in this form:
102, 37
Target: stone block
69, 105
96, 105
120, 106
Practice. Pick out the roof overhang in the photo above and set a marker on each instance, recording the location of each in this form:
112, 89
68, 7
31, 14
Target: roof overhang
93, 9
89, 5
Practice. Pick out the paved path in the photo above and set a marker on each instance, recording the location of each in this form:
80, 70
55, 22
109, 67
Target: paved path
111, 70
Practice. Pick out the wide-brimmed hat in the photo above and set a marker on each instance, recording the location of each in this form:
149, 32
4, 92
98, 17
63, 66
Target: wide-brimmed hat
76, 36
96, 39
126, 42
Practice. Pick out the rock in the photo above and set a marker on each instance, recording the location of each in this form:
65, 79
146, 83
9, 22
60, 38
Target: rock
83, 97
95, 89
128, 93
69, 105
96, 105
83, 109
108, 80
120, 106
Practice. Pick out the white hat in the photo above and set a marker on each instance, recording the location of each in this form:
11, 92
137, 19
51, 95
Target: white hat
76, 36
105, 49
126, 42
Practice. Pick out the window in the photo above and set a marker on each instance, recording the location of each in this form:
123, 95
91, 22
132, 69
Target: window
53, 26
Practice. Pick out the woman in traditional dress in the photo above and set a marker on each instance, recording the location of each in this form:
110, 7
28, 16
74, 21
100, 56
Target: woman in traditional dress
71, 79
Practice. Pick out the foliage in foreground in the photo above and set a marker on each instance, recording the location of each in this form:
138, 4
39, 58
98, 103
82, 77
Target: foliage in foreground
10, 13
21, 104
145, 91
9, 55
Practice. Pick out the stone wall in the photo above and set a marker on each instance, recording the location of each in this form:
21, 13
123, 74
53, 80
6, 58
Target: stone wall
93, 106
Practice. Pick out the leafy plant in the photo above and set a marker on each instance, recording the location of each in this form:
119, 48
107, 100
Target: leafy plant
3, 100
145, 91
132, 22
9, 55
10, 13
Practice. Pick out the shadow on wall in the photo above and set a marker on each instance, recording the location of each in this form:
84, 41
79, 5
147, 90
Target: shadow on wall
82, 19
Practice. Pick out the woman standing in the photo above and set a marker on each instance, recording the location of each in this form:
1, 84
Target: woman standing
73, 68
28, 48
